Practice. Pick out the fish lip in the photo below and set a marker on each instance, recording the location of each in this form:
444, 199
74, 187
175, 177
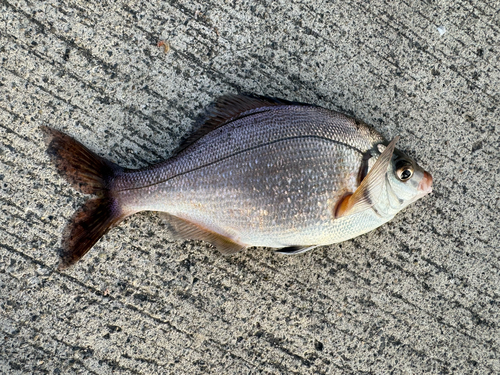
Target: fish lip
425, 185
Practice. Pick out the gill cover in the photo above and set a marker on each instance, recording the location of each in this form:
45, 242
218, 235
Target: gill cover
369, 191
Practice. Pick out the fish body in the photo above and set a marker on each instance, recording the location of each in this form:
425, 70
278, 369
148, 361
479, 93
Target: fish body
260, 172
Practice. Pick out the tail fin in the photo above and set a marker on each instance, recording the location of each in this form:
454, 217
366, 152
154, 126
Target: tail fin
90, 174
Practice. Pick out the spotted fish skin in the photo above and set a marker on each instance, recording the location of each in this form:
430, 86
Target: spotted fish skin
267, 172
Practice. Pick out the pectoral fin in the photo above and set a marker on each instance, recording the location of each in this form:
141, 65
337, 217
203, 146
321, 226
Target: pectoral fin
185, 229
370, 189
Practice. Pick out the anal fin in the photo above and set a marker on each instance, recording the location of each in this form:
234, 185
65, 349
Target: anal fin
185, 229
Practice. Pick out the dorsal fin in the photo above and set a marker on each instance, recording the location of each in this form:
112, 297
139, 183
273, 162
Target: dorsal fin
231, 107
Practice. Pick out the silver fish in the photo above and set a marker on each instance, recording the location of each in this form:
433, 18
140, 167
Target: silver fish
259, 172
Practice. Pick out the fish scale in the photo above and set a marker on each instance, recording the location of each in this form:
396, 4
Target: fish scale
252, 130
259, 172
262, 151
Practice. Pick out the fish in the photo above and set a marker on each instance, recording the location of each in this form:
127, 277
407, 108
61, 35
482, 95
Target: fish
259, 172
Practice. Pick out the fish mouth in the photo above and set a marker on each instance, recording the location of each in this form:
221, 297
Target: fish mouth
425, 185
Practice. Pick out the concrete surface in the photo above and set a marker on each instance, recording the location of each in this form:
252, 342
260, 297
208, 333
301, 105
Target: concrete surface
420, 295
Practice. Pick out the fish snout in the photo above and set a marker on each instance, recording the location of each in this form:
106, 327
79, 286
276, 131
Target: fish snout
425, 186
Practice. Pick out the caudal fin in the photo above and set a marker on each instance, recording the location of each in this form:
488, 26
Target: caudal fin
90, 174
86, 227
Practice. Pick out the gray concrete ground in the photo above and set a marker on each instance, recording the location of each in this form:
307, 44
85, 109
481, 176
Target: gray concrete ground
420, 295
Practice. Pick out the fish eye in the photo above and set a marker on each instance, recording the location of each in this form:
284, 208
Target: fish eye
404, 170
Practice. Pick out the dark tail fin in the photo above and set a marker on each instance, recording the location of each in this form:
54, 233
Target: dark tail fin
90, 174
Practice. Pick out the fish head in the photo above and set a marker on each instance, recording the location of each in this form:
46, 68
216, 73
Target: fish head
406, 181
393, 182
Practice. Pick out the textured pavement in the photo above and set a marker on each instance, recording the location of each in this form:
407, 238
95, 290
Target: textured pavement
420, 295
